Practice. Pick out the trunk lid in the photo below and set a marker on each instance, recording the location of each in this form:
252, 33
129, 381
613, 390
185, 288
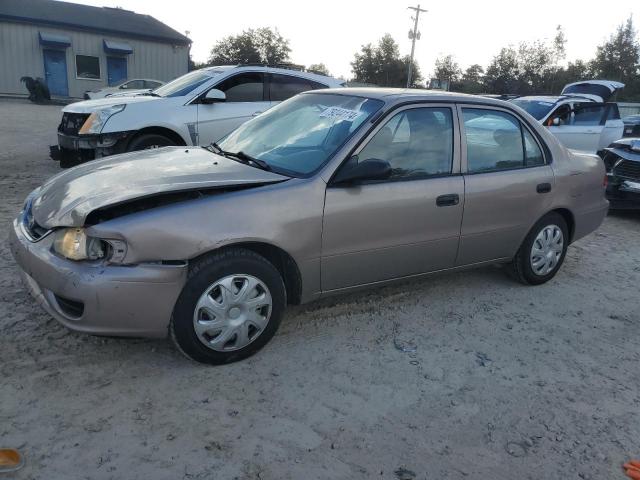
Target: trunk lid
598, 90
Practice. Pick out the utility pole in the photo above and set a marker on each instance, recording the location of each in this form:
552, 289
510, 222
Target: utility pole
414, 35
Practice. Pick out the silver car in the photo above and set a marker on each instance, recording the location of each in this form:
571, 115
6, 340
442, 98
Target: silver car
327, 192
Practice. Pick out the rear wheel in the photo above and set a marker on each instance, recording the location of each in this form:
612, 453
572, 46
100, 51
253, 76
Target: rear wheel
543, 250
230, 307
149, 140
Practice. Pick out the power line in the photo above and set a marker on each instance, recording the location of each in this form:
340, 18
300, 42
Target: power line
414, 35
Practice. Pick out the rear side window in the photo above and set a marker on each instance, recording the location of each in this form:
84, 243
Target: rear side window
283, 87
497, 141
244, 87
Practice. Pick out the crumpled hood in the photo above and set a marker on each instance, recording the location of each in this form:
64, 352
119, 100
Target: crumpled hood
90, 106
67, 198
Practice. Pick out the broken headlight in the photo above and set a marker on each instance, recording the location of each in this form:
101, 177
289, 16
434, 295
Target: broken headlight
95, 122
74, 244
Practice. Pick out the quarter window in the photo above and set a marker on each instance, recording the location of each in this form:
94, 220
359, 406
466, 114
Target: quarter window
244, 87
87, 67
498, 141
417, 143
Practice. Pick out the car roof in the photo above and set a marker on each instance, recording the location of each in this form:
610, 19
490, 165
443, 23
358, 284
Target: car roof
325, 79
393, 95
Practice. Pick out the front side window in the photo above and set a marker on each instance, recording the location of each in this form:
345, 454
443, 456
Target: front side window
244, 87
299, 135
283, 87
417, 143
151, 84
87, 67
497, 141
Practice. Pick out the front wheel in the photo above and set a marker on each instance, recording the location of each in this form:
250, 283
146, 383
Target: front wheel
543, 250
148, 141
230, 307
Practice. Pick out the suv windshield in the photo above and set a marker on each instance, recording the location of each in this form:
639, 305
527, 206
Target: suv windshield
185, 84
300, 135
538, 109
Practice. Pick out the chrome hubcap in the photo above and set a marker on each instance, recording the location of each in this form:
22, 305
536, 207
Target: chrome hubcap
232, 312
546, 250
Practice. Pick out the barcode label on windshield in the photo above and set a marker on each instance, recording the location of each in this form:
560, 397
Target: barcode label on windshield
340, 113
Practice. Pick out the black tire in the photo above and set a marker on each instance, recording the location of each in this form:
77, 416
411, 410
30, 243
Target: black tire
149, 140
202, 274
521, 266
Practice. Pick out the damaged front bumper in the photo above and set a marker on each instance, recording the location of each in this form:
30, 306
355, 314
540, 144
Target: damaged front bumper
623, 194
94, 297
75, 149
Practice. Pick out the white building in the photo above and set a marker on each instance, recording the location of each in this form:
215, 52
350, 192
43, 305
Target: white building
76, 48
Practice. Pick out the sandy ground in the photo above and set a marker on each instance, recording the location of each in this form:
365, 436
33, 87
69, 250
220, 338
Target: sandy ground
461, 376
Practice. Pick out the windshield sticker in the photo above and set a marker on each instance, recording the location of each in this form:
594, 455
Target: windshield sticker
340, 113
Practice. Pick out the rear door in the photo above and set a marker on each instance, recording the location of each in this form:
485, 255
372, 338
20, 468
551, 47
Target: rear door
408, 224
246, 98
282, 87
508, 184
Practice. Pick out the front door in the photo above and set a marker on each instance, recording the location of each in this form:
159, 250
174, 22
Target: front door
55, 71
408, 224
245, 99
116, 70
508, 185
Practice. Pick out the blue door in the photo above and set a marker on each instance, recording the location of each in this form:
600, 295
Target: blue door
55, 72
116, 70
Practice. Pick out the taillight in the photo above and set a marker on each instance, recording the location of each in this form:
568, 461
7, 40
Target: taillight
605, 181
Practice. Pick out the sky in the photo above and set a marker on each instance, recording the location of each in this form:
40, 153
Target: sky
332, 31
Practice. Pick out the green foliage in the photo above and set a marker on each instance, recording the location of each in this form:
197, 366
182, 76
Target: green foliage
447, 70
382, 65
261, 45
319, 68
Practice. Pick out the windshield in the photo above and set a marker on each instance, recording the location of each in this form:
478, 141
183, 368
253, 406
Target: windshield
538, 109
184, 84
300, 135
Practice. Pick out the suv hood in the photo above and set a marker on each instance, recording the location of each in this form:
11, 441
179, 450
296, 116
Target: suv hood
67, 198
90, 106
597, 90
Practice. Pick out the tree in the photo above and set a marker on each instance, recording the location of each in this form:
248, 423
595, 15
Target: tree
261, 45
502, 75
618, 57
447, 70
536, 65
382, 65
319, 68
472, 80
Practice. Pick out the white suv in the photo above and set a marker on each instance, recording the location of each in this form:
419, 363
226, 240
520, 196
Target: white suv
582, 117
196, 109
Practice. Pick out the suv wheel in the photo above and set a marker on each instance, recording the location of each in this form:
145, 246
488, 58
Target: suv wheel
230, 307
543, 250
150, 140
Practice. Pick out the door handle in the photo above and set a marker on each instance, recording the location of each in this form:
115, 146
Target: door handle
255, 114
543, 188
447, 200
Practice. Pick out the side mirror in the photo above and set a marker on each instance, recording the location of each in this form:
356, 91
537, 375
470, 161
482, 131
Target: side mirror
371, 169
214, 96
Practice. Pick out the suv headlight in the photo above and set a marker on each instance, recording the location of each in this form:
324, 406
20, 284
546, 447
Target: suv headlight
95, 122
74, 244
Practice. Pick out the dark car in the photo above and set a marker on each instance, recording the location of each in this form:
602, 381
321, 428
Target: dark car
622, 161
631, 126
